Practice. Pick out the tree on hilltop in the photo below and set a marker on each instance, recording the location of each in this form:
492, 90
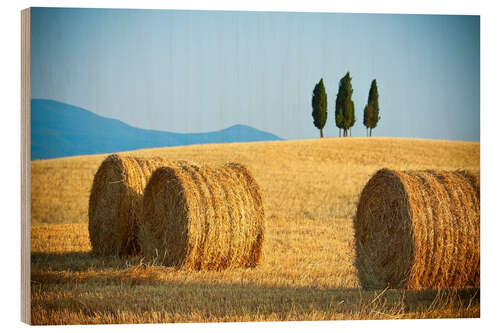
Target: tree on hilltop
371, 112
344, 106
339, 119
366, 115
319, 105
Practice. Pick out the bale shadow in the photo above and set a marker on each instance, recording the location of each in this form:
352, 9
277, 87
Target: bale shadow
112, 295
80, 261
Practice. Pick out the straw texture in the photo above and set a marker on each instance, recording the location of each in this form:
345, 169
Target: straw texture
208, 218
116, 200
419, 229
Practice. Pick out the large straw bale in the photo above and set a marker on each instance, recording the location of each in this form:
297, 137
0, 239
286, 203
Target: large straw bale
115, 202
208, 218
474, 177
418, 229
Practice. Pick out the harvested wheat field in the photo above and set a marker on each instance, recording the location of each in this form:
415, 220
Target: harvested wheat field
307, 268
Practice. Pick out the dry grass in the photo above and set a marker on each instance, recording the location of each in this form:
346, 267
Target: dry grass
418, 229
202, 217
307, 270
290, 173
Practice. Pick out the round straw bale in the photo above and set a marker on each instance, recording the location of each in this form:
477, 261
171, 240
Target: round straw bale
418, 229
474, 177
115, 202
208, 218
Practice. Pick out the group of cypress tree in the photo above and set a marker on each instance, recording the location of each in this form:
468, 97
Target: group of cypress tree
345, 117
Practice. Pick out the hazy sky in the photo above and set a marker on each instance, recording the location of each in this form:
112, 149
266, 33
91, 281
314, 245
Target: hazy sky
199, 71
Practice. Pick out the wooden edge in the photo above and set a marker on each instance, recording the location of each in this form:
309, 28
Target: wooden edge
25, 167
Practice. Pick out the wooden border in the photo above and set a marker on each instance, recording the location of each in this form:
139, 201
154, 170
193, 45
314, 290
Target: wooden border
25, 167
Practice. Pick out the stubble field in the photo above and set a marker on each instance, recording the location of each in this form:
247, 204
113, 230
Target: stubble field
307, 272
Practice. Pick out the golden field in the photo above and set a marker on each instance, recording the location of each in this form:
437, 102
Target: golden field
307, 272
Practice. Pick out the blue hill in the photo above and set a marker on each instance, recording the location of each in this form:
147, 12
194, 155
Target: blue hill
59, 130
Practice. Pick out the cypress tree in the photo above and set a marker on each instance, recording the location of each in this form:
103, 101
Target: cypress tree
339, 107
371, 114
352, 117
339, 119
344, 106
366, 116
319, 104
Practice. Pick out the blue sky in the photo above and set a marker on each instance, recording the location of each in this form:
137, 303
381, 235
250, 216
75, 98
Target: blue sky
199, 71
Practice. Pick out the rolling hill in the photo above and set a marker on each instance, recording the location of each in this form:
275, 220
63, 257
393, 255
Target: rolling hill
60, 130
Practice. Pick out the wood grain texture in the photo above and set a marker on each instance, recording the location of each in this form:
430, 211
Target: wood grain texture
25, 167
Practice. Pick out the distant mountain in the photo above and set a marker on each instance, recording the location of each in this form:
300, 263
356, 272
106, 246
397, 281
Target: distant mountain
59, 129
